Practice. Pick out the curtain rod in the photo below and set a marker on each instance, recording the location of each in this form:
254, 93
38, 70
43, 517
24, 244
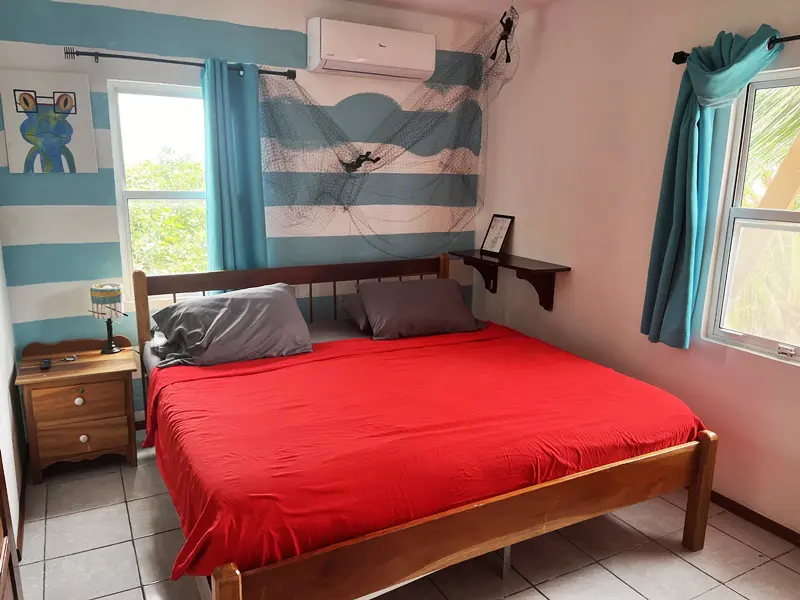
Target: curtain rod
680, 58
70, 53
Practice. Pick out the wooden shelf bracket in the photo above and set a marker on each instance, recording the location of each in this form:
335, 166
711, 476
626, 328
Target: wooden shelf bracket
487, 270
541, 275
544, 284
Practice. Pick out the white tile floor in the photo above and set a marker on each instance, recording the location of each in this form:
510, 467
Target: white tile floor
108, 531
102, 530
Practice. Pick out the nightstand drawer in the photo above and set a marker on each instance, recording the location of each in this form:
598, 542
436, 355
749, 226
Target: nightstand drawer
78, 402
80, 438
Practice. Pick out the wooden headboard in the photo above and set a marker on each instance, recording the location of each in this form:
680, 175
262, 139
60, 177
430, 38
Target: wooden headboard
172, 285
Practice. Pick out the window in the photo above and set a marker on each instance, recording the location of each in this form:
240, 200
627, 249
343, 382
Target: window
756, 301
158, 140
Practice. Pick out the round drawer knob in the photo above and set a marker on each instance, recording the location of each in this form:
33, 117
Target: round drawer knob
84, 438
79, 401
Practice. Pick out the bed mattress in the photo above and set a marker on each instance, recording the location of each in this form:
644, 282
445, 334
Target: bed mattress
269, 459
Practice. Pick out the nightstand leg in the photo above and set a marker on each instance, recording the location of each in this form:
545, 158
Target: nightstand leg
132, 460
36, 475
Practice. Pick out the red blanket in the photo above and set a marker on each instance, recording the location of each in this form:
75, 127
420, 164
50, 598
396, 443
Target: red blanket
271, 458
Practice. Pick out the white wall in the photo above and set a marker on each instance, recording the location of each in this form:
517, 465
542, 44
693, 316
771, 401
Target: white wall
576, 151
8, 439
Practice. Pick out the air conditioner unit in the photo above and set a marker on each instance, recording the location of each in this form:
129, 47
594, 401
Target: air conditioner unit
354, 49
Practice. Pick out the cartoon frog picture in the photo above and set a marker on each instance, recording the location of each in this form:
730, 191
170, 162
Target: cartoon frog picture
47, 130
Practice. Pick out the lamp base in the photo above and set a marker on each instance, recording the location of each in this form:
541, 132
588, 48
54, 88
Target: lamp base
111, 347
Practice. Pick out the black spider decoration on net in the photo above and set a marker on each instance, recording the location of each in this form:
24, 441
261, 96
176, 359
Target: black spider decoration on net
314, 172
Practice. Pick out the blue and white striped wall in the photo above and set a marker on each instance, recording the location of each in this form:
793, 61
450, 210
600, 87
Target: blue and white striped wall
407, 205
60, 236
60, 232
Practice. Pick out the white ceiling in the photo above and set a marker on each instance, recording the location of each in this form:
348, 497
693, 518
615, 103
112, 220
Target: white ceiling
477, 10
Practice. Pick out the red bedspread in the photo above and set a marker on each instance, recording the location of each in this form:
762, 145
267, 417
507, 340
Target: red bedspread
272, 458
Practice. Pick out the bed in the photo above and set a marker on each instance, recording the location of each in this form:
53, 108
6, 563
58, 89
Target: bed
309, 481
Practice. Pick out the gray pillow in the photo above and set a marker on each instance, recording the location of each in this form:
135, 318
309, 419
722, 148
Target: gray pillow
241, 325
412, 308
354, 307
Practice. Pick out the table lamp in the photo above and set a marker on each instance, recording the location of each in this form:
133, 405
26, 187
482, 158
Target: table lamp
107, 305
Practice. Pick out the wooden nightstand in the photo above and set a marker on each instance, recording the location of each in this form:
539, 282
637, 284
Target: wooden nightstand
78, 410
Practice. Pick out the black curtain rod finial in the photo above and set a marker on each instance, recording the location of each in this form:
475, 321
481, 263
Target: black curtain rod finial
680, 58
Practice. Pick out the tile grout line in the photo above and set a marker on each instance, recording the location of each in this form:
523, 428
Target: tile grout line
594, 562
602, 566
100, 547
106, 545
138, 587
133, 540
724, 583
708, 524
438, 589
44, 543
525, 579
79, 476
769, 558
745, 543
84, 510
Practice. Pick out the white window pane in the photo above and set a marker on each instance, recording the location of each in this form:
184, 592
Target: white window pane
163, 142
772, 178
763, 284
168, 236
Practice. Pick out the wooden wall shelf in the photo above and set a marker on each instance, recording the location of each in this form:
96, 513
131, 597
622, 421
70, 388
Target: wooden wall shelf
541, 275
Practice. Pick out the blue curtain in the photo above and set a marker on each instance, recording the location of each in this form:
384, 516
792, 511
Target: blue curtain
714, 77
237, 237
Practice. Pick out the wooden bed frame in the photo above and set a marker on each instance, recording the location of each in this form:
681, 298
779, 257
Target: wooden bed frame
374, 562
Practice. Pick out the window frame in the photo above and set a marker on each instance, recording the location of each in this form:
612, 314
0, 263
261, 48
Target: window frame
115, 88
731, 211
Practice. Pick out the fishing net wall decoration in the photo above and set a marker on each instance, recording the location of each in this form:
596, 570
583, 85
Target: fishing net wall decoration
438, 130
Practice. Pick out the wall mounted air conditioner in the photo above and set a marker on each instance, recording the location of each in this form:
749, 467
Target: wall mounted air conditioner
354, 49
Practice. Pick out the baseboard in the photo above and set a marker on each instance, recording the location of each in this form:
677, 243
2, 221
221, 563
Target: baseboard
748, 514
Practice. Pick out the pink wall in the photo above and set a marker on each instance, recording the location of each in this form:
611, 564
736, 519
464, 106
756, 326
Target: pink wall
576, 150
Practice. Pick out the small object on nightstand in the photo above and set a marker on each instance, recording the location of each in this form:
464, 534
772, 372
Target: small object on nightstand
107, 305
81, 407
45, 364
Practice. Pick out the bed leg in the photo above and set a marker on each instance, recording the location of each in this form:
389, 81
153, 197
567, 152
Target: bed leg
506, 562
694, 528
226, 583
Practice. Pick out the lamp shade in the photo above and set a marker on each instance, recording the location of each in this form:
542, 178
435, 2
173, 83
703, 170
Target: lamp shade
106, 301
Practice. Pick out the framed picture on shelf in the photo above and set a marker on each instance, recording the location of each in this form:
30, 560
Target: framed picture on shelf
497, 234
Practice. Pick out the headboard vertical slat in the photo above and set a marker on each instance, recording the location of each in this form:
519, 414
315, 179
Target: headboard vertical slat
310, 302
444, 266
335, 304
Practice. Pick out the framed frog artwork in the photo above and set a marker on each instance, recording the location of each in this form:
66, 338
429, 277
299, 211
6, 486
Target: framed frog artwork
48, 122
